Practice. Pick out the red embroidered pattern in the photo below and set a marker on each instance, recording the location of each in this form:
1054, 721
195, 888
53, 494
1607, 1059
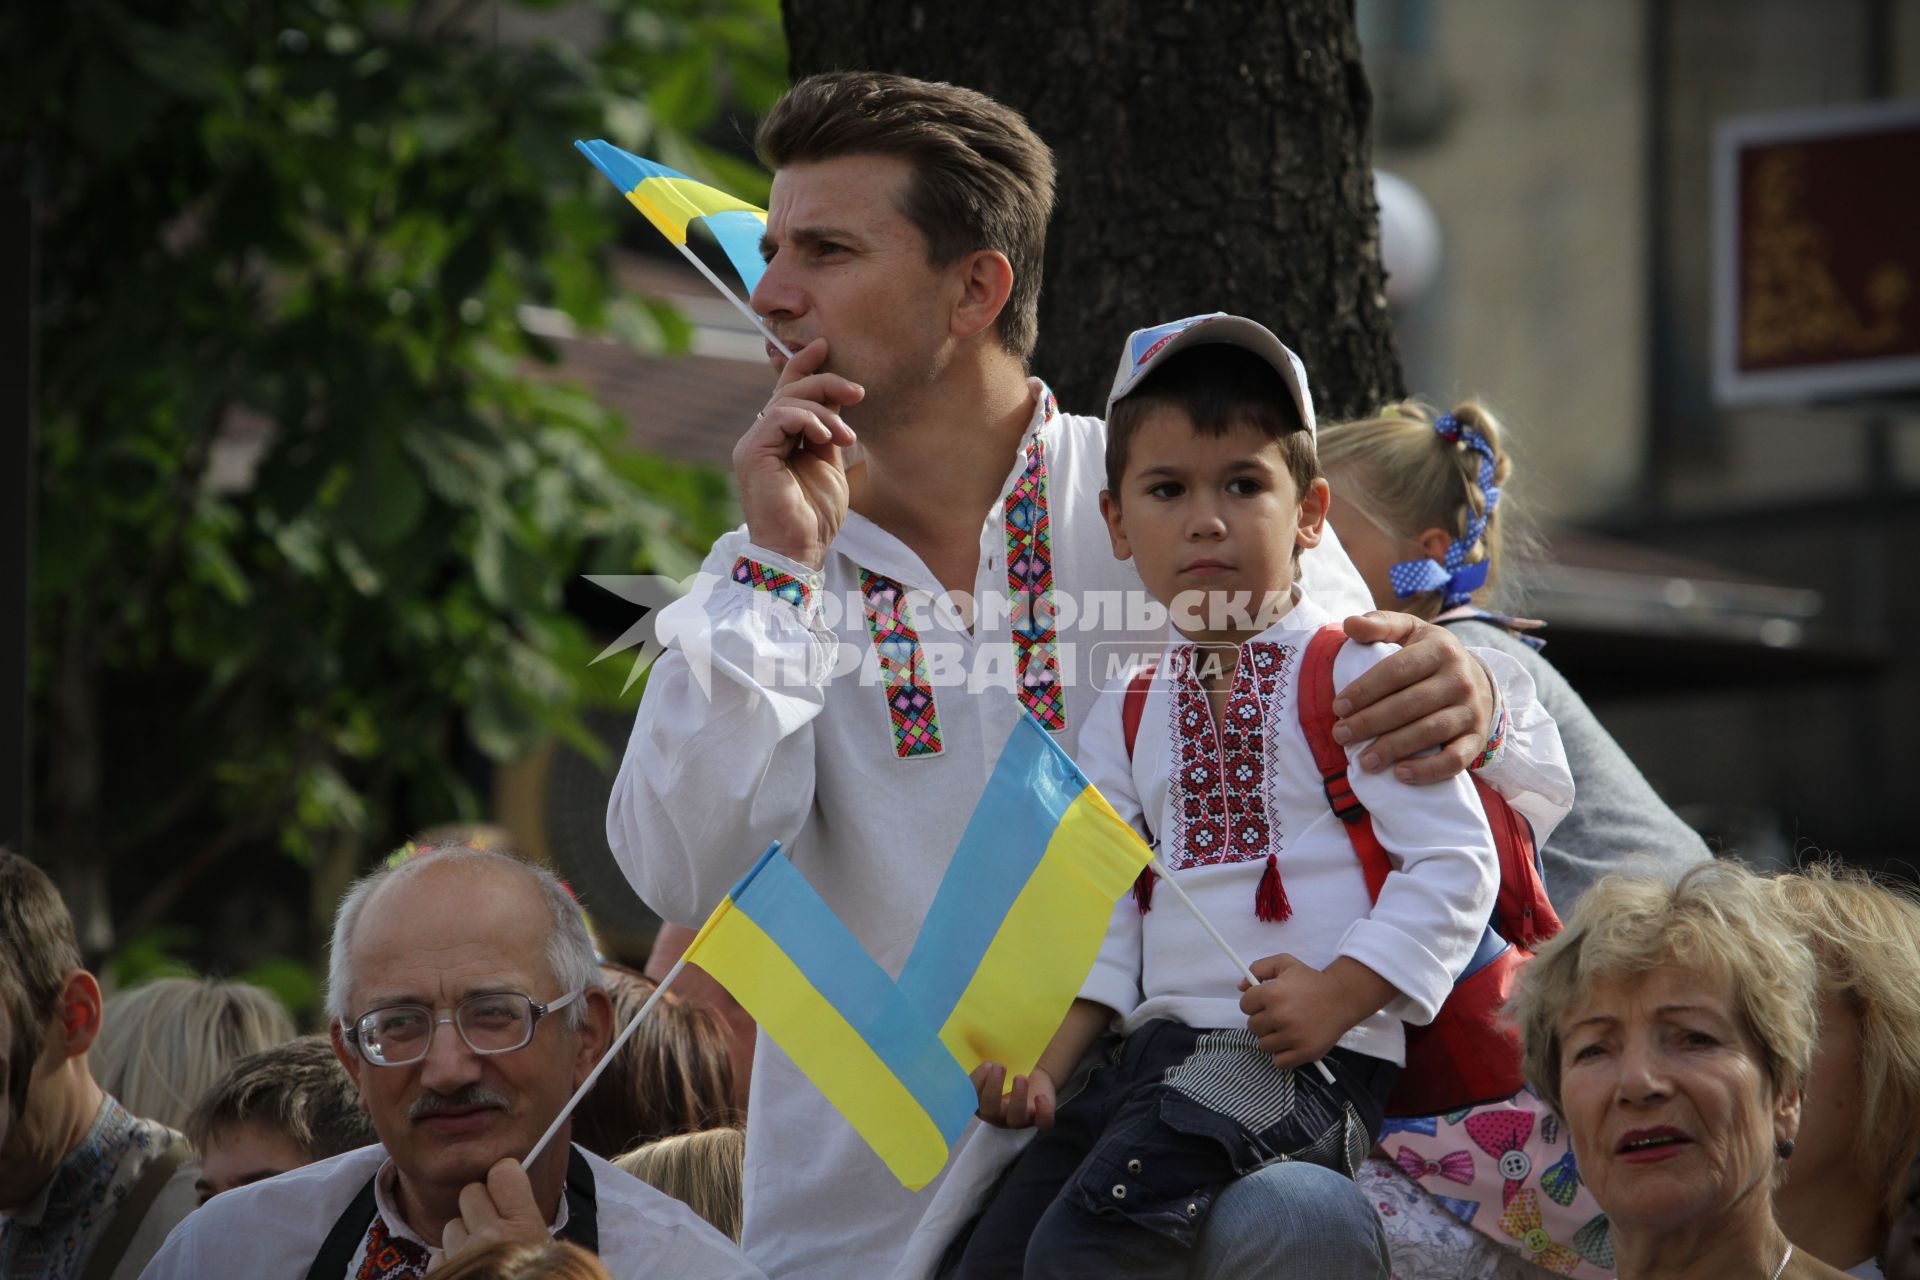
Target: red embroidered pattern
1220, 793
903, 667
390, 1257
1030, 589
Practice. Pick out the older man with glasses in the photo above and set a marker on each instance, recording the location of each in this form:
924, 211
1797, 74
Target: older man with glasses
466, 1003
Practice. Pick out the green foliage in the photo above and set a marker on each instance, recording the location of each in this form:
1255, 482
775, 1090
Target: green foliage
315, 224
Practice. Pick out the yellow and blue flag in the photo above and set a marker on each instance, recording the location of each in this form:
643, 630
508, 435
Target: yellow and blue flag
1019, 917
1005, 947
672, 202
810, 985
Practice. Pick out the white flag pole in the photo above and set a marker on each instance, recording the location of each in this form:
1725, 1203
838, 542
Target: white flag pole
1167, 879
734, 298
626, 1033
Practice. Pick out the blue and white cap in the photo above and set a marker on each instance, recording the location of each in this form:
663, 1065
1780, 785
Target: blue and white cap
1146, 348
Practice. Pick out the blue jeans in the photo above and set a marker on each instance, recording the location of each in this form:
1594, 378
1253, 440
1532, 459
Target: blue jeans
1128, 1176
1291, 1221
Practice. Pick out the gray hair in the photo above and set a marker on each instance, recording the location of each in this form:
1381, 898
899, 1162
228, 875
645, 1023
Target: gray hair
570, 953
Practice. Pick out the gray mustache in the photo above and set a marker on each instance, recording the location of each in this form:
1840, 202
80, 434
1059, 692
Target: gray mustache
432, 1104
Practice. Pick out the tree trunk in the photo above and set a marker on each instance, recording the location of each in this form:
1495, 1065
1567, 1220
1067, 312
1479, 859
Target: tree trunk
1214, 156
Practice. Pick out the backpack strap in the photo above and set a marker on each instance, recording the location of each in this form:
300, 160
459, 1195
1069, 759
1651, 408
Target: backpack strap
1133, 705
1314, 692
132, 1211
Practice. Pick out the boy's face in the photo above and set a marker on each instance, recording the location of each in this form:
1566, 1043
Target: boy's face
1212, 523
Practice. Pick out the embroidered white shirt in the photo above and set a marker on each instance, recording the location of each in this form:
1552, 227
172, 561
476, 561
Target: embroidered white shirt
1221, 802
273, 1230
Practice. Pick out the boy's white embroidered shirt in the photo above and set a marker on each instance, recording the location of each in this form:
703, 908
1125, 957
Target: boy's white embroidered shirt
1219, 801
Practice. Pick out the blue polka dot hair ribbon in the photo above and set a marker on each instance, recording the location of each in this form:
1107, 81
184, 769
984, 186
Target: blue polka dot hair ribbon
1452, 575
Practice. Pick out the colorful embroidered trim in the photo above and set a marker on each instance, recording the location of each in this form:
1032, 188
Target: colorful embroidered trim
1030, 590
390, 1257
903, 667
775, 582
1221, 807
1496, 737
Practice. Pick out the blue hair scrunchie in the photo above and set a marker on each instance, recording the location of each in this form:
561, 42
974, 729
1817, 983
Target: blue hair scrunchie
1452, 575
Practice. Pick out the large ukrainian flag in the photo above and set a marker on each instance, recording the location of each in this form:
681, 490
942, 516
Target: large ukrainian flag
809, 983
1020, 915
1006, 945
672, 202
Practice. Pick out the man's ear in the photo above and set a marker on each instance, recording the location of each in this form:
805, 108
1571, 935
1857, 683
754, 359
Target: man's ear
595, 1035
985, 279
349, 1056
76, 1020
1313, 514
1110, 512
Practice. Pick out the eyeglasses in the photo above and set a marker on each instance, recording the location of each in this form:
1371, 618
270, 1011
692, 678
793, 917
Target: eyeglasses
401, 1034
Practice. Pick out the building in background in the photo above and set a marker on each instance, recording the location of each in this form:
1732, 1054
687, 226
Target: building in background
1740, 622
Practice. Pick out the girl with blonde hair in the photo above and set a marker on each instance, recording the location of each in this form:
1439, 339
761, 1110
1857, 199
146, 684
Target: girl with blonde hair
1419, 503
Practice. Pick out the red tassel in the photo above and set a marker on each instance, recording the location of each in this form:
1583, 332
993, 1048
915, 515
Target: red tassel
1270, 901
1143, 889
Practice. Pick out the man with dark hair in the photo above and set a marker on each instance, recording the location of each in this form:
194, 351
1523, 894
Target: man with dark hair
86, 1189
878, 625
276, 1110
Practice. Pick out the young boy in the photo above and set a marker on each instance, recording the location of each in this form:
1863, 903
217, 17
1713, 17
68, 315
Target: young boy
1213, 490
275, 1110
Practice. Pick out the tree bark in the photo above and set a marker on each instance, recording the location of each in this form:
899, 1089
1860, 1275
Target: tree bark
1213, 155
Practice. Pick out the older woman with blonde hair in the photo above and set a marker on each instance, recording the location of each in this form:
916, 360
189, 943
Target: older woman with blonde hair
1672, 1028
1860, 1125
165, 1043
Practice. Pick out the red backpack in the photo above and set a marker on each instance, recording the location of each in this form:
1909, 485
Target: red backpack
1467, 1055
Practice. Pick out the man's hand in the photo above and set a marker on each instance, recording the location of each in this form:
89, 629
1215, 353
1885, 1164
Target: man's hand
1029, 1103
793, 482
499, 1210
1300, 1012
1431, 694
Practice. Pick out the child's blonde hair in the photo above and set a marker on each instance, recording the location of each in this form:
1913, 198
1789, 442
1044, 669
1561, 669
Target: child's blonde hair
1406, 477
702, 1170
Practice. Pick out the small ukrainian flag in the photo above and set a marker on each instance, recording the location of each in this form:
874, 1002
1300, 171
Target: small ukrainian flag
672, 202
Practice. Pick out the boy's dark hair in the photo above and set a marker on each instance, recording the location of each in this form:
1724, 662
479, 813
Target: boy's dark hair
1219, 386
982, 178
37, 943
298, 1090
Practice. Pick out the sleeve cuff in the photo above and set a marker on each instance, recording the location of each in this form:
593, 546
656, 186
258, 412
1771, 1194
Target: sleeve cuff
1496, 733
759, 570
1422, 980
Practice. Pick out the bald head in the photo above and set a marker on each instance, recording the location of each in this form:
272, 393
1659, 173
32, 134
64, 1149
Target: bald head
457, 907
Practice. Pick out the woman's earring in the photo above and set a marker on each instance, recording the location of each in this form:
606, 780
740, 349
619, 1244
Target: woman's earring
1785, 1148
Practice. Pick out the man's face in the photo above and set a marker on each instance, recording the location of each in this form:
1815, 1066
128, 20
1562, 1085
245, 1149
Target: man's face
245, 1153
434, 937
845, 264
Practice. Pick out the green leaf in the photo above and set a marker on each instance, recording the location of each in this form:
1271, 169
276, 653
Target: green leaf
385, 498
